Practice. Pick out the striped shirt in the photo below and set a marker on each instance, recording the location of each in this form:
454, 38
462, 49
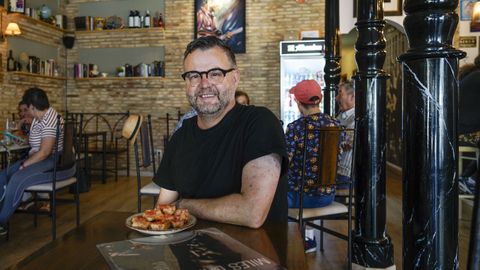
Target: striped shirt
45, 128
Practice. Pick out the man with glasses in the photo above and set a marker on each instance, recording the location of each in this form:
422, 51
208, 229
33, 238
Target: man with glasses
227, 163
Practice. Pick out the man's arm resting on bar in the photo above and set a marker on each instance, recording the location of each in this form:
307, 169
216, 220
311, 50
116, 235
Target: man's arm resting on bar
248, 208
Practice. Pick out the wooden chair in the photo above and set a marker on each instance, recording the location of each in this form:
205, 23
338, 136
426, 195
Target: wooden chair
81, 154
66, 162
98, 128
329, 147
467, 153
169, 121
148, 159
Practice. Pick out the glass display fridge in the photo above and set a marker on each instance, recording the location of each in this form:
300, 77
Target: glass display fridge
299, 60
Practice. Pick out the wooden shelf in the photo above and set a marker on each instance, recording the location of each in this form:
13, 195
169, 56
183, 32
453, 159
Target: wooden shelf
16, 17
118, 83
120, 38
118, 78
28, 74
122, 30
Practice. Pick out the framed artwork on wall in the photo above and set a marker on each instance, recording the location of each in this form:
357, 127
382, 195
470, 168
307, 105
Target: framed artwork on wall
224, 19
390, 7
466, 9
393, 8
17, 6
467, 42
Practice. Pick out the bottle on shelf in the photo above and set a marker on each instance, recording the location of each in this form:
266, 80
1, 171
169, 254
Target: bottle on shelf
18, 65
11, 66
146, 19
12, 6
130, 19
136, 19
161, 24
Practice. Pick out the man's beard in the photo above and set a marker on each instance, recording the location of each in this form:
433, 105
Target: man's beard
209, 109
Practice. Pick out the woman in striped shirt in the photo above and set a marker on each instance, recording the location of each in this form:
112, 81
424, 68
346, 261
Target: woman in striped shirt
34, 169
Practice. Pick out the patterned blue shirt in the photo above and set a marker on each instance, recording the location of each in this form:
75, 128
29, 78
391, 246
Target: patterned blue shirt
294, 139
186, 116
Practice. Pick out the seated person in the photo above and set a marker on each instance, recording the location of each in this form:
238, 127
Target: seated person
226, 164
33, 169
346, 103
308, 96
23, 125
242, 98
469, 121
26, 118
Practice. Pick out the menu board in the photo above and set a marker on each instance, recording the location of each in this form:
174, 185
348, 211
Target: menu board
201, 249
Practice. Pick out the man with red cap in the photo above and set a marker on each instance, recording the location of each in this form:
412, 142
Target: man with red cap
308, 96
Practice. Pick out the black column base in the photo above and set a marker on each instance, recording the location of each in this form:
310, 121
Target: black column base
377, 254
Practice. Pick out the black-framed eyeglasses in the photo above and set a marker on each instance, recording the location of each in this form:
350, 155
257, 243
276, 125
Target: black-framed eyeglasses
214, 75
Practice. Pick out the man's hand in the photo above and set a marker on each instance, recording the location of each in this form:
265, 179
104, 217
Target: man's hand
166, 197
46, 148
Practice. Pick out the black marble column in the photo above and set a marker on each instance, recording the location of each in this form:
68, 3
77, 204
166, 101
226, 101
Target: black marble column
430, 99
332, 56
372, 246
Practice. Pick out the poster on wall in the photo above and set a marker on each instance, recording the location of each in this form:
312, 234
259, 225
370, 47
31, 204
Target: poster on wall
390, 7
16, 6
466, 9
222, 18
467, 42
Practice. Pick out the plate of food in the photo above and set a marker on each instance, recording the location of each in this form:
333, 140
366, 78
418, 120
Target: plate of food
165, 219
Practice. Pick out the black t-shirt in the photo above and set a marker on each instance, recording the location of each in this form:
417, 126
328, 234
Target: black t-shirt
208, 163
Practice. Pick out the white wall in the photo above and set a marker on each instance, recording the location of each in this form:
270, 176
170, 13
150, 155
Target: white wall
347, 21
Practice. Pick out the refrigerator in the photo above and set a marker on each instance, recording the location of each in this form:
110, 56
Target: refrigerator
299, 60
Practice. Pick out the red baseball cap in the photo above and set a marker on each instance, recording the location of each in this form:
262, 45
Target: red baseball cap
306, 91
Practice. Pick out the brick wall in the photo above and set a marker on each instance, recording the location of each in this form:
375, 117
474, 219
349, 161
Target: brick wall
267, 22
12, 84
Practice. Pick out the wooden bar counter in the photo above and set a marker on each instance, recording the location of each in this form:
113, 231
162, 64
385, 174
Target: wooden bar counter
77, 249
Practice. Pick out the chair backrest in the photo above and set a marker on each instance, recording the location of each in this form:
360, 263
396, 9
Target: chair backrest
328, 149
169, 119
112, 123
67, 159
329, 143
76, 119
467, 153
146, 142
145, 145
